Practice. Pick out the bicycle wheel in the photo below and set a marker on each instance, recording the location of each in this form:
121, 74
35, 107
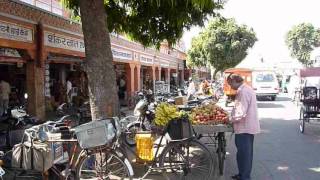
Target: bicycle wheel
102, 165
186, 160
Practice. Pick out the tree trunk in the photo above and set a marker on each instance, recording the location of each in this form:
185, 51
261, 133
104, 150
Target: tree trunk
99, 60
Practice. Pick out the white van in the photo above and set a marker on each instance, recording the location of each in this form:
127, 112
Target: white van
265, 84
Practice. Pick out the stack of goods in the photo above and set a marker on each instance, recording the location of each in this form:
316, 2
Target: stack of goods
209, 114
166, 112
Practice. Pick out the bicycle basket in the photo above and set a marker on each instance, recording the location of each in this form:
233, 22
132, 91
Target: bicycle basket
96, 133
180, 128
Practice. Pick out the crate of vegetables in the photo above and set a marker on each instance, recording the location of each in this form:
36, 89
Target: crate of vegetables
209, 114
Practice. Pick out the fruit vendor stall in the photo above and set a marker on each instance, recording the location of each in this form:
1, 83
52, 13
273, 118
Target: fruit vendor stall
211, 122
209, 125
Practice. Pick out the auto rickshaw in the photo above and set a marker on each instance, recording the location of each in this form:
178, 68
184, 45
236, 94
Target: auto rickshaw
246, 75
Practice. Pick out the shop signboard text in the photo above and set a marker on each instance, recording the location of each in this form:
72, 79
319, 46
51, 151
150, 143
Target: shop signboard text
15, 32
64, 42
9, 52
121, 54
146, 59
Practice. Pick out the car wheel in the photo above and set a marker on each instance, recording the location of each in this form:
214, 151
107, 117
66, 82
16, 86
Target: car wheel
273, 98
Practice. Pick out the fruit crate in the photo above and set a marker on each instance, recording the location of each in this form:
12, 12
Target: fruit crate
210, 128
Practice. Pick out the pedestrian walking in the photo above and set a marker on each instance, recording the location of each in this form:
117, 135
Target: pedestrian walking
245, 121
5, 91
294, 86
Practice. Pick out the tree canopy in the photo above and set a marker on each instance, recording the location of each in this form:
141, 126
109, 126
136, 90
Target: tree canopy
150, 22
196, 56
223, 44
301, 40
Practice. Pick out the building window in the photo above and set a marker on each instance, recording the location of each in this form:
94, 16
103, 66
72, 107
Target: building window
53, 6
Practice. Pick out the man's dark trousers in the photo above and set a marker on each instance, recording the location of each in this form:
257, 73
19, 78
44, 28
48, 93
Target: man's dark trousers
244, 144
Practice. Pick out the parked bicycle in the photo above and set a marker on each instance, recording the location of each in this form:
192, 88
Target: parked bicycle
91, 157
97, 157
176, 157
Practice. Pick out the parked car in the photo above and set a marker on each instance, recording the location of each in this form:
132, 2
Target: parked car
265, 84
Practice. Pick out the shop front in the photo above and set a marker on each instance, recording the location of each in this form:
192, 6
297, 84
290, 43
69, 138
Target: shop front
147, 72
165, 70
122, 74
164, 75
13, 71
64, 78
125, 73
61, 71
173, 78
18, 62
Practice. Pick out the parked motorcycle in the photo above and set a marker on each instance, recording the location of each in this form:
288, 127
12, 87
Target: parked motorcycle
71, 115
144, 112
13, 124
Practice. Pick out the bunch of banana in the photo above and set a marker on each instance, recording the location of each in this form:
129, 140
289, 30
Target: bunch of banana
165, 113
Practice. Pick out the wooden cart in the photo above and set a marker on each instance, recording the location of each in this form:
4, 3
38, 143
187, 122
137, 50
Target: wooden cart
216, 138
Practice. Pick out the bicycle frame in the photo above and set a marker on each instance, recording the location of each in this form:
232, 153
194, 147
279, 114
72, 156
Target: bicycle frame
72, 162
152, 165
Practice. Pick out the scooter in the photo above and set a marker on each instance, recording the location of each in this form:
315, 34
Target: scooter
13, 124
144, 114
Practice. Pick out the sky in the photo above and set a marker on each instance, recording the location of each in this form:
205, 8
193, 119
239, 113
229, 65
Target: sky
271, 20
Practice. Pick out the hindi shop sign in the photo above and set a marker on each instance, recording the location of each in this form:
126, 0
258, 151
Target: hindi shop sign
64, 42
9, 52
146, 59
121, 54
164, 63
15, 32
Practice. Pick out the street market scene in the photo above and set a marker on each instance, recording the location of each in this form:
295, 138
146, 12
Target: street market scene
159, 89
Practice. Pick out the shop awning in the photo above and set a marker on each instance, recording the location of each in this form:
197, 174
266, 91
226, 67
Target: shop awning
310, 72
63, 59
7, 59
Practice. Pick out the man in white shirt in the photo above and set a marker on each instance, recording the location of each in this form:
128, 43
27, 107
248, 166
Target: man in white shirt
191, 89
293, 86
244, 118
5, 91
